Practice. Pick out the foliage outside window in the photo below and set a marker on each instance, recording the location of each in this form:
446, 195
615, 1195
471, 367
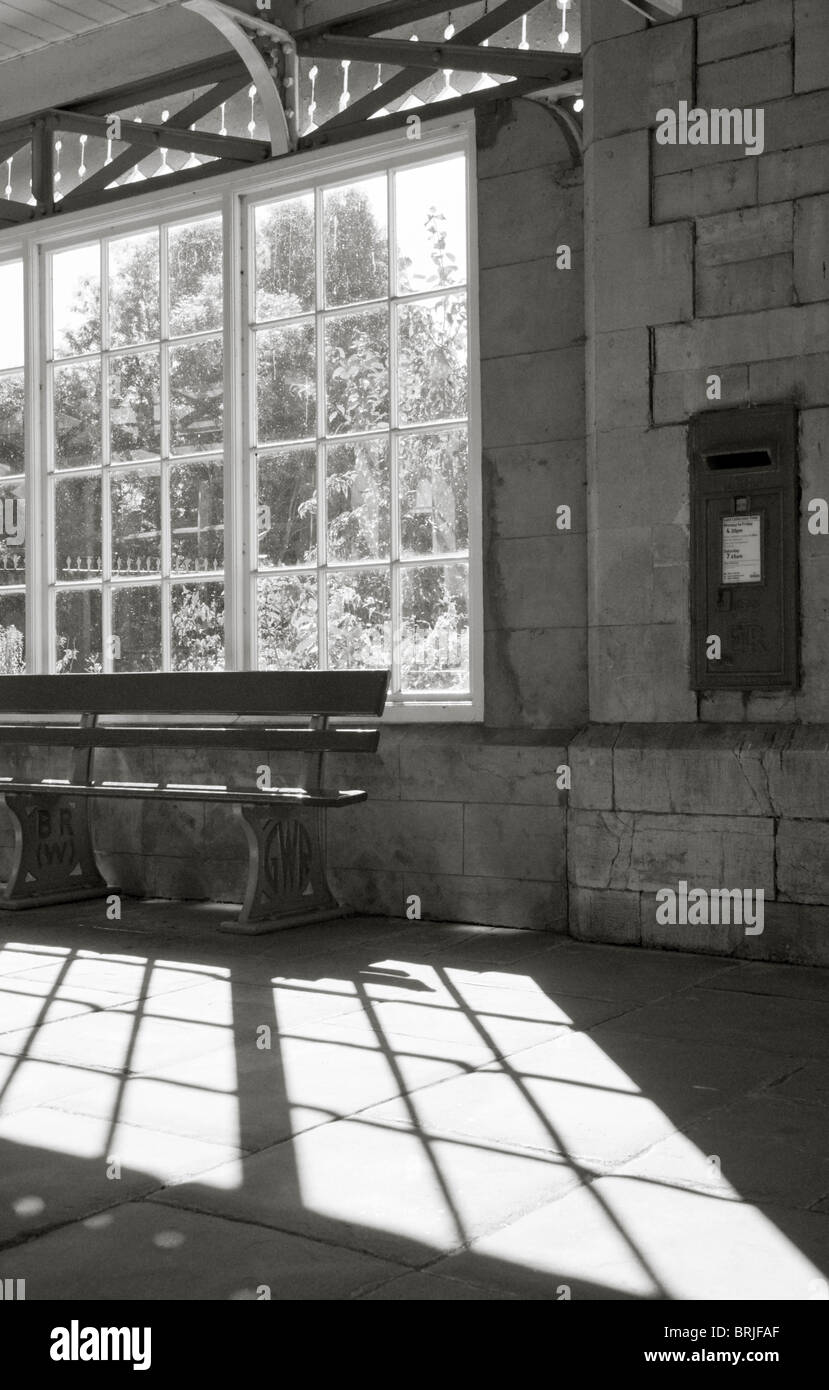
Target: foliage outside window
350, 369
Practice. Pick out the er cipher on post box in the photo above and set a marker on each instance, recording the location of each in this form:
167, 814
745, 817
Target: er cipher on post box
744, 548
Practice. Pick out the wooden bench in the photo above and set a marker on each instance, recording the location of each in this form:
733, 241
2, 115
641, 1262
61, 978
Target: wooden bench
54, 859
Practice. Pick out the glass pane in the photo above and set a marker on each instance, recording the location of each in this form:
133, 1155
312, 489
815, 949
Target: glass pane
433, 471
196, 397
431, 225
198, 621
78, 529
434, 637
359, 620
134, 407
78, 415
359, 487
285, 272
433, 360
286, 377
12, 439
136, 522
357, 371
78, 643
76, 300
286, 614
11, 297
136, 628
286, 518
12, 533
12, 634
356, 242
197, 516
133, 290
196, 291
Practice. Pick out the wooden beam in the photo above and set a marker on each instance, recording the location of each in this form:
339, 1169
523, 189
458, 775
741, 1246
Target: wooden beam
377, 17
397, 86
656, 9
165, 84
331, 134
167, 135
14, 213
511, 62
43, 166
82, 198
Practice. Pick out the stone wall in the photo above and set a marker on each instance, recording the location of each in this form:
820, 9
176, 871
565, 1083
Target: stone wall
467, 817
700, 259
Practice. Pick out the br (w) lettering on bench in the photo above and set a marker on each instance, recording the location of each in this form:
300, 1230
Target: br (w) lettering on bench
54, 858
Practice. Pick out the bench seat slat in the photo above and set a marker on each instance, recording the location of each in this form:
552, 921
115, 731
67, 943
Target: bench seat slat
358, 693
185, 736
320, 796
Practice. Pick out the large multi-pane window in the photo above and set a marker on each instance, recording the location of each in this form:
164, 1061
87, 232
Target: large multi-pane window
12, 473
360, 358
244, 431
136, 392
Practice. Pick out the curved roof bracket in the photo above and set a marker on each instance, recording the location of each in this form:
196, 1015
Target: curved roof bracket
232, 25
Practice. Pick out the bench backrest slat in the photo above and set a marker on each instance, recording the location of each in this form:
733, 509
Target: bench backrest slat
345, 693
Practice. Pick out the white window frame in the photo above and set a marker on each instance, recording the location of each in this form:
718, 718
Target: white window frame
230, 195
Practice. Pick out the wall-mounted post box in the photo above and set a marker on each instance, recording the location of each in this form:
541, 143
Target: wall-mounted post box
744, 548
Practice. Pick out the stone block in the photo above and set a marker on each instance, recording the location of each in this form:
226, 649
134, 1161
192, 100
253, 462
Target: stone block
531, 306
525, 485
811, 44
796, 173
533, 399
536, 678
639, 479
591, 767
813, 453
747, 235
514, 841
525, 216
709, 343
701, 192
490, 902
600, 21
678, 395
749, 80
536, 582
704, 938
798, 774
789, 123
370, 892
516, 135
707, 851
745, 286
811, 248
803, 379
617, 183
793, 933
643, 277
622, 577
694, 769
619, 379
640, 672
638, 75
395, 836
499, 770
803, 861
763, 24
604, 916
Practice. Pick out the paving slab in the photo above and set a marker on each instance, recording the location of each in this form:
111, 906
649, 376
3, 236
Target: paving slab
626, 1237
733, 1018
375, 1187
142, 1250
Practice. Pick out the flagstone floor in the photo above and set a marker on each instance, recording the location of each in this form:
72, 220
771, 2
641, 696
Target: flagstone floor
373, 1109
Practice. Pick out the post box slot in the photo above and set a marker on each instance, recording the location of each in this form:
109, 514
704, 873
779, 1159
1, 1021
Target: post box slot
751, 458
